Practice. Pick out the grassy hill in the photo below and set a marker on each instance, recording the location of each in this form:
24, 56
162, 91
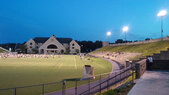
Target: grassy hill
145, 49
1, 50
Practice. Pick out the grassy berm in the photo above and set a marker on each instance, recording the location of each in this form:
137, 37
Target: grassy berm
123, 91
145, 49
1, 50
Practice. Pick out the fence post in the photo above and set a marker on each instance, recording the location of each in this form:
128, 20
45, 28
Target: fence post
100, 83
114, 77
63, 87
108, 82
120, 76
43, 88
14, 91
76, 87
132, 74
125, 72
89, 86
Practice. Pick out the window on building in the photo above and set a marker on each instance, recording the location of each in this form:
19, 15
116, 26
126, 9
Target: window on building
30, 43
73, 47
73, 44
37, 47
30, 46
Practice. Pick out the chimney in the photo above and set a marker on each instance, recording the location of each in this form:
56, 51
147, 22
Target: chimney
54, 36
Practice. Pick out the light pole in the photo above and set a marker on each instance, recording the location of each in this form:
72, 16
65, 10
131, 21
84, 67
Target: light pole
161, 14
125, 30
108, 34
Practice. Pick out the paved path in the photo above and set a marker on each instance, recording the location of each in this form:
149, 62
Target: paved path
83, 88
116, 67
152, 83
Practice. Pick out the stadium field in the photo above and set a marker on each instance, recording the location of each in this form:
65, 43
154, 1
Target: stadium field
16, 72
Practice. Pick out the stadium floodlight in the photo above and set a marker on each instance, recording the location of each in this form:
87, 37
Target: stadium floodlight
161, 14
125, 30
108, 33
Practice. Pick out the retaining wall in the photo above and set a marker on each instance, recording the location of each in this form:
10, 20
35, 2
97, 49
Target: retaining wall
140, 68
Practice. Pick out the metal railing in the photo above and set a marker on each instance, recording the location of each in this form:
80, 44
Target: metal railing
104, 81
76, 86
15, 89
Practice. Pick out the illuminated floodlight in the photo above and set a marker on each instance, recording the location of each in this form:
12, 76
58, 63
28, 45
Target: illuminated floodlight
162, 13
108, 33
125, 29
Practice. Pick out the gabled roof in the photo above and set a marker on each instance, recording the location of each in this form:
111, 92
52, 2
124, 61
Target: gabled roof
64, 40
40, 39
44, 39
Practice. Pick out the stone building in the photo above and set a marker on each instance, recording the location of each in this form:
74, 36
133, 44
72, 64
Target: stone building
52, 45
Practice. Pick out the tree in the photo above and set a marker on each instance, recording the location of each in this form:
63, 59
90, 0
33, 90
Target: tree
34, 51
67, 51
98, 44
147, 39
119, 41
22, 49
77, 50
88, 46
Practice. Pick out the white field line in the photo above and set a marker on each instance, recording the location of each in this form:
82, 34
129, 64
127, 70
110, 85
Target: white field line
75, 63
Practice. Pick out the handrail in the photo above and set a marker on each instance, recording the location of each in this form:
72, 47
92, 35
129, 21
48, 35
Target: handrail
32, 85
110, 79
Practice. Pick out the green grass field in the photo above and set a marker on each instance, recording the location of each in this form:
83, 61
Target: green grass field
145, 49
16, 72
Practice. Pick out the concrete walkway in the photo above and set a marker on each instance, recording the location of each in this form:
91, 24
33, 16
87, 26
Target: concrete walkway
83, 88
152, 83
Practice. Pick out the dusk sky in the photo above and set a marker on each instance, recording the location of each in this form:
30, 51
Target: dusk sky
21, 20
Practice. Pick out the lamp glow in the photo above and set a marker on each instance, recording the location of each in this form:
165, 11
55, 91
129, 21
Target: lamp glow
125, 29
108, 33
162, 13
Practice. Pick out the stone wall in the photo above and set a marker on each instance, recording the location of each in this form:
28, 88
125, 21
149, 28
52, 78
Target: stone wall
140, 68
161, 60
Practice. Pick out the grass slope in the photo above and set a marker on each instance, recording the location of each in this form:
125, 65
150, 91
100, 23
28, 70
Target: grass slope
29, 71
145, 49
123, 91
1, 50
